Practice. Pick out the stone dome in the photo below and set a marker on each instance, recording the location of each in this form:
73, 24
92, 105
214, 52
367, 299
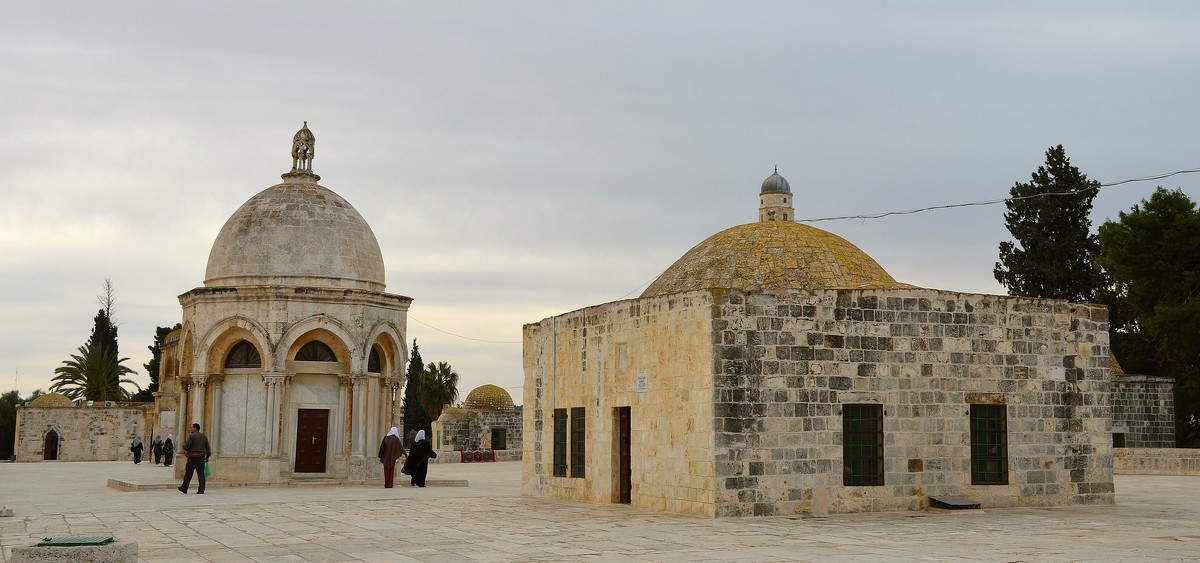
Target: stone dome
770, 255
297, 233
51, 400
776, 184
488, 398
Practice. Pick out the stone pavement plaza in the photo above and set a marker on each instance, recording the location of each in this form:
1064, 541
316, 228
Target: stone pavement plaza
1156, 519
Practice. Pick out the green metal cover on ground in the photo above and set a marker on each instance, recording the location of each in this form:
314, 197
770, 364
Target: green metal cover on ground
71, 541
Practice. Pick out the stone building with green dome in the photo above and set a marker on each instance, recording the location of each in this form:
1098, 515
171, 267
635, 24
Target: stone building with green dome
776, 369
487, 421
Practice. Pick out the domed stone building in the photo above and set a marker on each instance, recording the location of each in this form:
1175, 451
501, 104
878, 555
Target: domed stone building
776, 369
487, 420
291, 355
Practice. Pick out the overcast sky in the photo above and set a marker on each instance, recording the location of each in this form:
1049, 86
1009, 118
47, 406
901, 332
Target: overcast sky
521, 160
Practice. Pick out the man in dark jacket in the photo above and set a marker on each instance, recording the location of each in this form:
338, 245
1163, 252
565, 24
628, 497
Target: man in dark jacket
197, 451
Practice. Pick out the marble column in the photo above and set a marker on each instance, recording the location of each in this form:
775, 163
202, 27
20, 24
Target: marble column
274, 383
358, 415
214, 423
199, 380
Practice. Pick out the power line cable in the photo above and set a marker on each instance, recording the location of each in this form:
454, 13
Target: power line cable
461, 336
1002, 200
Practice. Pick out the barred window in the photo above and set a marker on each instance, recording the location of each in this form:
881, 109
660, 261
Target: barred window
577, 441
989, 445
560, 442
862, 444
243, 355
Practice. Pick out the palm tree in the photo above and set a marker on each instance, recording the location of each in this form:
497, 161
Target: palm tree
93, 374
438, 388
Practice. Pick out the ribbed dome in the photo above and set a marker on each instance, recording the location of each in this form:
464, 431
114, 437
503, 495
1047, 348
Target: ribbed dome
770, 255
776, 184
488, 398
297, 233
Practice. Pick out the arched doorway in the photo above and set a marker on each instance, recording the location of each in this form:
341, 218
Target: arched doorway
50, 447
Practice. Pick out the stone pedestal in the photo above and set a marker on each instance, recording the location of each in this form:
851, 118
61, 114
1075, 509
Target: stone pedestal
116, 552
269, 469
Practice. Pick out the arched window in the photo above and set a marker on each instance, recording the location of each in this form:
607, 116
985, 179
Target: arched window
315, 351
373, 363
243, 355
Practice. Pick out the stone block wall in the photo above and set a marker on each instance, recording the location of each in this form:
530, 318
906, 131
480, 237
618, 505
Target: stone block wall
1157, 461
598, 359
472, 430
95, 433
785, 364
1143, 409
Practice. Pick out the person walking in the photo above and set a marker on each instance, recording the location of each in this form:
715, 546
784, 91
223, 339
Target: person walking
390, 450
157, 448
417, 464
168, 449
197, 451
136, 448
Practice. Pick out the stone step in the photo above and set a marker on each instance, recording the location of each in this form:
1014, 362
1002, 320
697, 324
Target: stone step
133, 486
953, 503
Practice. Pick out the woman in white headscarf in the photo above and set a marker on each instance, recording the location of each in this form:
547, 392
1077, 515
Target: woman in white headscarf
417, 464
390, 450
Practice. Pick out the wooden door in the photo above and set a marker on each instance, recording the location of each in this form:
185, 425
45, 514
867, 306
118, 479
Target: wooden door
624, 471
312, 432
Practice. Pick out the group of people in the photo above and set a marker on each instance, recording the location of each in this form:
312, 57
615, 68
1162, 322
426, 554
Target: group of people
416, 461
163, 450
197, 450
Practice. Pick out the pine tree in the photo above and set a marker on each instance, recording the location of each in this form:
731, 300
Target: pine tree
1054, 254
415, 417
1151, 251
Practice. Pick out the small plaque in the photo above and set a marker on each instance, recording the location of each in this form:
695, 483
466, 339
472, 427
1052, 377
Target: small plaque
642, 383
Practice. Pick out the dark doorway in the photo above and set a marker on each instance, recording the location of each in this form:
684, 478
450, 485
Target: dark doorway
312, 431
50, 447
499, 439
624, 472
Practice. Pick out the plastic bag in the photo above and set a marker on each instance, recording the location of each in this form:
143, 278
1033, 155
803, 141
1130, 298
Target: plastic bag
207, 470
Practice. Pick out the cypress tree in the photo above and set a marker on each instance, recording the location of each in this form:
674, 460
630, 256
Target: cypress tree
415, 417
1054, 254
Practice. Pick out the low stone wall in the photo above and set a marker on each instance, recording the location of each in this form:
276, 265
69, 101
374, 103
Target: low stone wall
1156, 461
456, 456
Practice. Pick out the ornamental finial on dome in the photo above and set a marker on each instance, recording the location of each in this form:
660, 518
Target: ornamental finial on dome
304, 148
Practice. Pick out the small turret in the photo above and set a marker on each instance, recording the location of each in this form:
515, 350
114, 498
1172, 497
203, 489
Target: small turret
775, 199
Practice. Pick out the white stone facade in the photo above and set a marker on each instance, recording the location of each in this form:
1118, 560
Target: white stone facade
294, 269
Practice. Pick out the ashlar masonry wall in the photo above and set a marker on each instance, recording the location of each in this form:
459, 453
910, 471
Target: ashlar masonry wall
1143, 411
786, 363
96, 433
650, 355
